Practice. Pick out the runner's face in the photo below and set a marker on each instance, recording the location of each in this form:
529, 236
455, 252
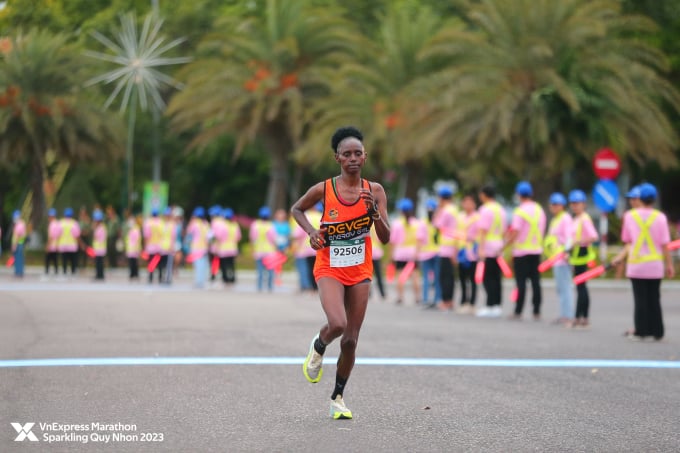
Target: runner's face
351, 155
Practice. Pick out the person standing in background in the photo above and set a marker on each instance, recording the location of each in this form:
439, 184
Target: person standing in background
198, 231
582, 253
216, 229
99, 243
526, 238
314, 216
301, 252
559, 240
228, 248
491, 226
69, 240
152, 231
428, 258
167, 246
180, 248
133, 246
52, 242
19, 234
113, 231
446, 221
404, 238
85, 239
646, 235
467, 254
263, 238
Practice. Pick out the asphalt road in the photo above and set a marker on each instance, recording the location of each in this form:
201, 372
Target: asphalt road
264, 406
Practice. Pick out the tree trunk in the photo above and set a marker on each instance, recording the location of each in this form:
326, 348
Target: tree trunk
279, 146
38, 203
413, 172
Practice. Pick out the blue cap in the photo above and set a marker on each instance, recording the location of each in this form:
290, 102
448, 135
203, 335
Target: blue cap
215, 210
97, 216
167, 211
648, 191
431, 204
154, 212
634, 192
199, 212
16, 214
68, 212
264, 212
445, 192
319, 207
405, 205
228, 213
524, 189
51, 212
577, 196
558, 198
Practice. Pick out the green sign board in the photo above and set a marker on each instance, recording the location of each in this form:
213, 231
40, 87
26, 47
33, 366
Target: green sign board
155, 196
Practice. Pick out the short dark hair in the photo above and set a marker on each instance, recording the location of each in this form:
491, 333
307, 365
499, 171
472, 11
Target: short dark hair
489, 191
343, 133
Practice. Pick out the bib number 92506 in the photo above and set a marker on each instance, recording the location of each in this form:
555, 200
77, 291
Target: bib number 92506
347, 253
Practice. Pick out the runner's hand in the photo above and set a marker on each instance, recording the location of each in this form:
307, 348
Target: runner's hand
369, 200
317, 239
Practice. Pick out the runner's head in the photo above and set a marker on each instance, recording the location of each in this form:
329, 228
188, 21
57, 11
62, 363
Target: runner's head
347, 142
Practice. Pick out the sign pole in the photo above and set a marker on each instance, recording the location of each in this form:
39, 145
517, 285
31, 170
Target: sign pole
604, 230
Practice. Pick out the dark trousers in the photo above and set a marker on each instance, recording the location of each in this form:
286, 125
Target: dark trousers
447, 278
582, 295
647, 315
466, 276
99, 267
133, 265
228, 268
526, 268
159, 267
492, 282
51, 258
211, 257
69, 258
112, 252
311, 260
377, 271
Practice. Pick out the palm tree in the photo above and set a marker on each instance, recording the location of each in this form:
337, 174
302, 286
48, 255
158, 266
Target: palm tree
370, 93
539, 85
258, 77
42, 110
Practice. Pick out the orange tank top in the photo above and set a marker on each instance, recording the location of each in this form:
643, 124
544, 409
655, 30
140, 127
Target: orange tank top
347, 256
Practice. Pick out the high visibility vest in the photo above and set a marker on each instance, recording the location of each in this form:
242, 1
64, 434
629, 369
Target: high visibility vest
133, 246
551, 245
432, 244
465, 222
262, 244
534, 237
66, 238
156, 232
575, 259
230, 243
445, 238
167, 229
16, 238
495, 232
634, 257
411, 230
99, 245
200, 240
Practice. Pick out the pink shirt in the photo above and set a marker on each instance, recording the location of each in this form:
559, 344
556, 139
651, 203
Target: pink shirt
235, 240
588, 233
423, 236
133, 237
446, 222
487, 221
270, 235
523, 228
19, 232
152, 243
301, 243
198, 229
99, 235
219, 232
660, 236
402, 250
53, 233
469, 224
562, 229
74, 228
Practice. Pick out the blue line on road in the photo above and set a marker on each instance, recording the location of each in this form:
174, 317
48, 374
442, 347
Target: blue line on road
423, 362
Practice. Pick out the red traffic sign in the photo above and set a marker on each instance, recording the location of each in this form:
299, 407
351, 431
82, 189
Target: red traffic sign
607, 164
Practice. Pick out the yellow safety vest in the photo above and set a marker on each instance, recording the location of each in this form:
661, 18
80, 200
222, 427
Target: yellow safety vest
262, 244
634, 257
99, 245
534, 237
167, 228
156, 232
200, 241
551, 244
444, 238
411, 229
133, 246
495, 232
590, 255
432, 238
66, 238
230, 244
18, 239
466, 221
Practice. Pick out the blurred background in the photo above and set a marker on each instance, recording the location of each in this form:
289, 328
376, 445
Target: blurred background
114, 102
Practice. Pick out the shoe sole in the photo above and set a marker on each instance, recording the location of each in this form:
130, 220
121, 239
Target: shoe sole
341, 415
306, 362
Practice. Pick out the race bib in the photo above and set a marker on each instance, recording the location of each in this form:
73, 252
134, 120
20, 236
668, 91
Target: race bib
347, 253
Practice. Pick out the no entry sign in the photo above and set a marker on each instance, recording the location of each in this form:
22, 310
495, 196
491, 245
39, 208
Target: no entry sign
606, 164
